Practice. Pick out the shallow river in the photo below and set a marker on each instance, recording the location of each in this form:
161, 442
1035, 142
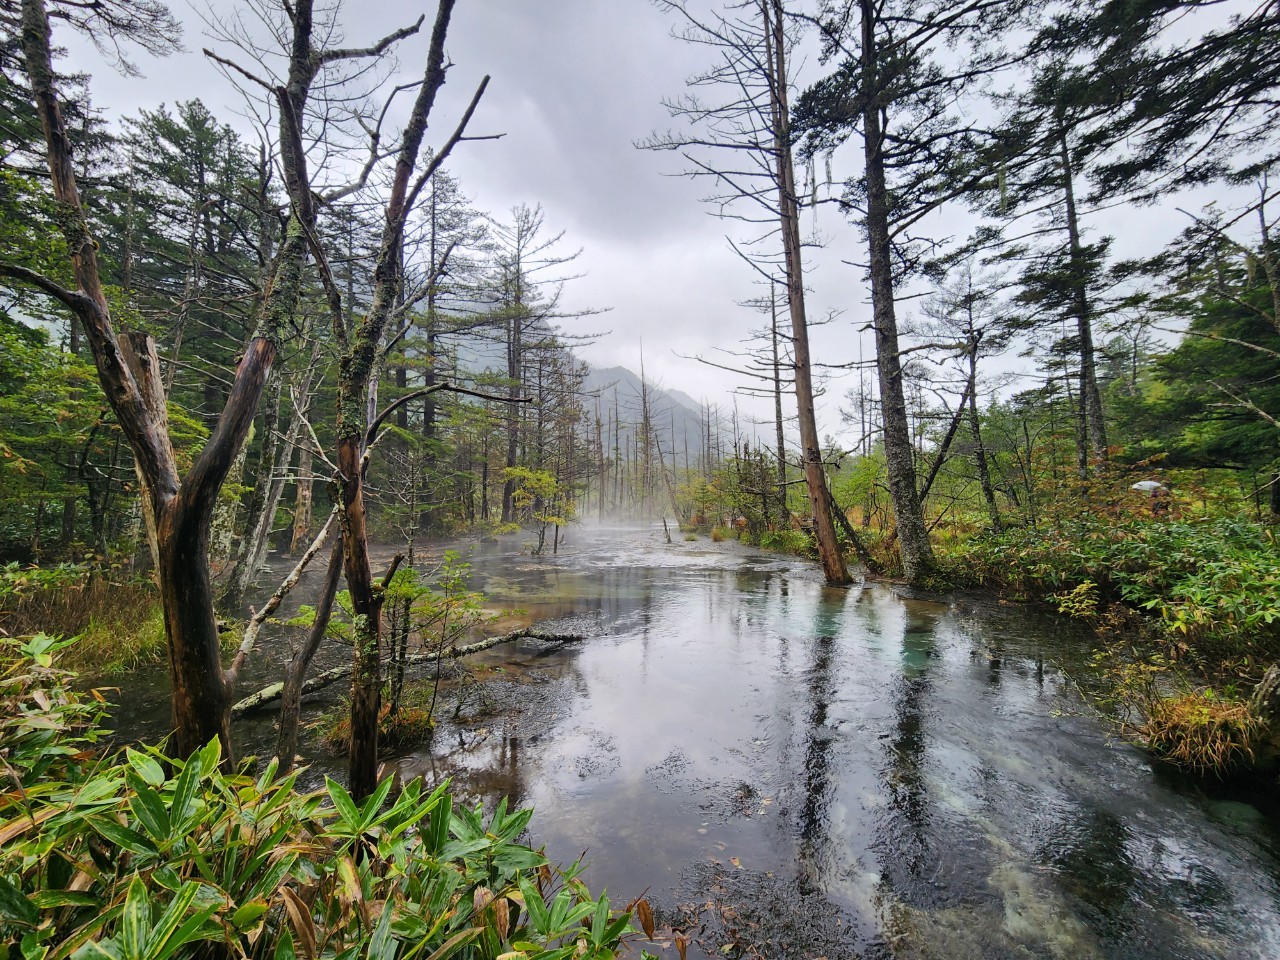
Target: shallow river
805, 771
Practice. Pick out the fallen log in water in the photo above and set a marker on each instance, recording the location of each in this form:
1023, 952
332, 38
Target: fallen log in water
271, 693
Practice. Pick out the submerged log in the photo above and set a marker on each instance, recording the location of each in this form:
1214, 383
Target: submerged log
271, 693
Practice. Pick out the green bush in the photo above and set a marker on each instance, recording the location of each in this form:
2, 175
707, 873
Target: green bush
795, 542
1215, 581
144, 857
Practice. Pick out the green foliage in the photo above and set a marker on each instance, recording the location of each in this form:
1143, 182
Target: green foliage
540, 499
1214, 581
50, 409
144, 857
1080, 602
1208, 401
18, 583
795, 542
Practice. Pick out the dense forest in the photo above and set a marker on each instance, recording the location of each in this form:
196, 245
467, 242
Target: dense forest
300, 338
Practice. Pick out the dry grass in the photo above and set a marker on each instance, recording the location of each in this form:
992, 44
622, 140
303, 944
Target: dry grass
120, 624
411, 726
1201, 732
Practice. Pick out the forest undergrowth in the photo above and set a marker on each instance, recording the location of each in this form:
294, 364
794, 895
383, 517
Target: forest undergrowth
138, 854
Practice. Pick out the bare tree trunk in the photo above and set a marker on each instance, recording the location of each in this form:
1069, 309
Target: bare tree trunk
784, 514
833, 564
515, 366
222, 534
979, 451
251, 548
296, 675
1090, 395
366, 607
917, 554
356, 368
302, 498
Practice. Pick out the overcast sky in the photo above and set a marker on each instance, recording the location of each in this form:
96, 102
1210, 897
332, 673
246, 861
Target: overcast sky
574, 84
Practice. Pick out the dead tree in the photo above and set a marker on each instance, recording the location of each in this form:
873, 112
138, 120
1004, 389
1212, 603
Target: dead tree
178, 509
359, 356
753, 126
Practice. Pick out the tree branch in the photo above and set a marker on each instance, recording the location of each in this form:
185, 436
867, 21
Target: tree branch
356, 53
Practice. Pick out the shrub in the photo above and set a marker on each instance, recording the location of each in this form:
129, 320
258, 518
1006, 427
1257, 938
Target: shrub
795, 542
145, 856
1211, 581
1202, 732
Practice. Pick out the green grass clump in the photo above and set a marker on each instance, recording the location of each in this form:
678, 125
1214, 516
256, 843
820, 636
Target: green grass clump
795, 542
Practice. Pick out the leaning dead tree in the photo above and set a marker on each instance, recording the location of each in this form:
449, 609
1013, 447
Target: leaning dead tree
748, 132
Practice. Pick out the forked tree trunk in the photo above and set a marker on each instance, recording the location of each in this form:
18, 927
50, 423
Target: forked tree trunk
356, 368
178, 511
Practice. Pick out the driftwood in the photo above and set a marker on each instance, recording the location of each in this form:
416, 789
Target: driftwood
271, 693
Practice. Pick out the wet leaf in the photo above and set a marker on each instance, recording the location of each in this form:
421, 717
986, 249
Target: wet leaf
736, 862
644, 913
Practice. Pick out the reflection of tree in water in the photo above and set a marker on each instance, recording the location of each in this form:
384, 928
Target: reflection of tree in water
908, 859
814, 821
815, 852
1092, 861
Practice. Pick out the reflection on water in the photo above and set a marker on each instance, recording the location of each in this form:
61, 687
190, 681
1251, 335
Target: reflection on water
849, 772
842, 773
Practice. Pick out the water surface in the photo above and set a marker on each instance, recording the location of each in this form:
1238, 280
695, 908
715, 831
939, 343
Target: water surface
808, 771
792, 770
